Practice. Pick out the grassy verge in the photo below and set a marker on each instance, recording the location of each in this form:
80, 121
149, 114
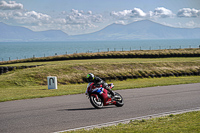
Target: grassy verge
181, 123
32, 82
192, 52
75, 71
27, 92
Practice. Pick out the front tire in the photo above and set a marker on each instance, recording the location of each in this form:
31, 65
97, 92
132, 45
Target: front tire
119, 100
98, 104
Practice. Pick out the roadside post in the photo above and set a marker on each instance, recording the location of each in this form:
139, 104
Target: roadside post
52, 82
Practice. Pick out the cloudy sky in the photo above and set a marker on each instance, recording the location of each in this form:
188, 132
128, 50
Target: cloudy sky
86, 16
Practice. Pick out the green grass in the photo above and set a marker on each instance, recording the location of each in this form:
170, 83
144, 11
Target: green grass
113, 60
27, 92
32, 82
181, 123
75, 71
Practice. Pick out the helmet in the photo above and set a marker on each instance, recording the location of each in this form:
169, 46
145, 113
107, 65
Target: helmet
90, 77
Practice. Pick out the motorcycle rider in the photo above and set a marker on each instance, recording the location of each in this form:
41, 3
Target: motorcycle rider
97, 82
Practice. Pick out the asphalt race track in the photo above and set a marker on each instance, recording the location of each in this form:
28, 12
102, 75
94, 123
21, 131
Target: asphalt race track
45, 115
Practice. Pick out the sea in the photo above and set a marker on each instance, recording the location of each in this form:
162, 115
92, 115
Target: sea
24, 50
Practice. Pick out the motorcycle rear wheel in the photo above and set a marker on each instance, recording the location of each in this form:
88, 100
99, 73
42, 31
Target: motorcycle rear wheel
119, 100
98, 104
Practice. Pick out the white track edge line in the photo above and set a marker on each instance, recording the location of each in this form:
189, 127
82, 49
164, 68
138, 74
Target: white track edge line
136, 118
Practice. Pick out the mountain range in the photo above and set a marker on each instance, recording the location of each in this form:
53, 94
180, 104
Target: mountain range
144, 29
17, 33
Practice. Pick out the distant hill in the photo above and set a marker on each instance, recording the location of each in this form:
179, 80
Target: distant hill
17, 33
144, 29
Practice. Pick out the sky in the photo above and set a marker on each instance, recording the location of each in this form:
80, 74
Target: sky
85, 16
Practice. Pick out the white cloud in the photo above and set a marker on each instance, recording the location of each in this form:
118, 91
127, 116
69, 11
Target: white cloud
162, 12
13, 12
75, 21
26, 18
59, 21
121, 14
127, 14
89, 12
74, 11
3, 16
80, 17
17, 14
37, 16
11, 5
137, 12
188, 12
79, 21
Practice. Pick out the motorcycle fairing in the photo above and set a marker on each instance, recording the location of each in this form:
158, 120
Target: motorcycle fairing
98, 90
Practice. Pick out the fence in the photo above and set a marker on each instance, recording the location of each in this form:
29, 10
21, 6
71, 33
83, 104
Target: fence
98, 50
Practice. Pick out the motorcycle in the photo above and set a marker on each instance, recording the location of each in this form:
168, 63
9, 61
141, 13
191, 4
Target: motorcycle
100, 97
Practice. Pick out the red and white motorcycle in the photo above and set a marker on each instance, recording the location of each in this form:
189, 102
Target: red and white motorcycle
100, 97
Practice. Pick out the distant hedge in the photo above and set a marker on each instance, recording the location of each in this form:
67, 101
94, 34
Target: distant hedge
10, 68
155, 74
124, 76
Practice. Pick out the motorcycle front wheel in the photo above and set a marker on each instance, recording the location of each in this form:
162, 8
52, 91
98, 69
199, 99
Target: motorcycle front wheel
98, 104
119, 100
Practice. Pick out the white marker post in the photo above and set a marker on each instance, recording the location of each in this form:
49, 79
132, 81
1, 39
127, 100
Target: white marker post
52, 82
